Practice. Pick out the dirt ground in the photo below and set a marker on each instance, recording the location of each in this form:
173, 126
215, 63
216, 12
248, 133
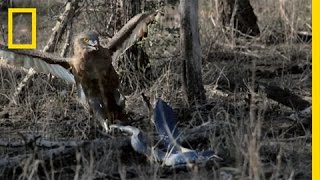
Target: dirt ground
257, 137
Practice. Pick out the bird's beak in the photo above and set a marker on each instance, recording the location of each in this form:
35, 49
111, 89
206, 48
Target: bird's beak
93, 45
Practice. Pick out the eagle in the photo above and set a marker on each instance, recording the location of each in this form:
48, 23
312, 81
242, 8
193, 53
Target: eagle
90, 68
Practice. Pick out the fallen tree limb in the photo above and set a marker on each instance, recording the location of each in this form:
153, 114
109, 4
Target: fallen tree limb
8, 164
281, 95
64, 153
284, 96
57, 151
34, 141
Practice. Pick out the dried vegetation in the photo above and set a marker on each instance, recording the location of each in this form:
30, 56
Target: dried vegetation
257, 137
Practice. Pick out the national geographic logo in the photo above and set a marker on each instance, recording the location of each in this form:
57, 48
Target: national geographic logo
33, 12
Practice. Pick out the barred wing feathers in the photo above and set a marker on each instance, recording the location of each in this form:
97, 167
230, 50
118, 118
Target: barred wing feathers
134, 29
39, 61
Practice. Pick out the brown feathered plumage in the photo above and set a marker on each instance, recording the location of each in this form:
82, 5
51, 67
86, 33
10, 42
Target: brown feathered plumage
92, 65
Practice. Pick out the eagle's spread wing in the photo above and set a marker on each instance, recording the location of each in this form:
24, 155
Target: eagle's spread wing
39, 61
134, 29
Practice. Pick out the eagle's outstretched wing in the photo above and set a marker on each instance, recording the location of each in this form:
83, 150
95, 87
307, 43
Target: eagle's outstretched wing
133, 30
39, 61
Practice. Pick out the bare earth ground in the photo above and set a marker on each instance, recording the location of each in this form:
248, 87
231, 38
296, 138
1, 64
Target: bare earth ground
257, 138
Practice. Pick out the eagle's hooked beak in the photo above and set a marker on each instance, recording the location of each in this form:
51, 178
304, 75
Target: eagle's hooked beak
93, 45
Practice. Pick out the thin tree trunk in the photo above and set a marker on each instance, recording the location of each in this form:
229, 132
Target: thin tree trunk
191, 52
240, 15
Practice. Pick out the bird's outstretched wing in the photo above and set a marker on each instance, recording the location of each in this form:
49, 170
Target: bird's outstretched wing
134, 29
39, 61
165, 121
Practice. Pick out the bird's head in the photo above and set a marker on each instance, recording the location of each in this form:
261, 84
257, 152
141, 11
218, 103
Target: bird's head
88, 41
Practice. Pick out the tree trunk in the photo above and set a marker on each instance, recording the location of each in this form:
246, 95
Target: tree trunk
240, 15
191, 52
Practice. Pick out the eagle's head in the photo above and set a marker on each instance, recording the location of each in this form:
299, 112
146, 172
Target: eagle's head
88, 41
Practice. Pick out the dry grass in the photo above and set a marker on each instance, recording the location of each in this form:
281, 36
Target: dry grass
254, 135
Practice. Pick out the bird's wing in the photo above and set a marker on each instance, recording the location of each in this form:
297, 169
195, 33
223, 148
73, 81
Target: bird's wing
39, 61
135, 28
165, 121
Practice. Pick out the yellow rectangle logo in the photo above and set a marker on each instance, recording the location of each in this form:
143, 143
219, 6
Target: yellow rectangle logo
33, 44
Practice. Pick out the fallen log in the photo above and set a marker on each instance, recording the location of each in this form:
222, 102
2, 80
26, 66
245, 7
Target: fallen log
284, 96
62, 154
